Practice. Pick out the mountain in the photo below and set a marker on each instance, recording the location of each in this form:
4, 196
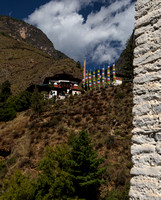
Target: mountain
27, 56
19, 29
107, 116
105, 113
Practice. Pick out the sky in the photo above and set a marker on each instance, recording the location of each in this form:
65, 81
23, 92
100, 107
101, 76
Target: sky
95, 29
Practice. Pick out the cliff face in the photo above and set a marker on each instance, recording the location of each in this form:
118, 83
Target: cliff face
25, 56
146, 148
19, 29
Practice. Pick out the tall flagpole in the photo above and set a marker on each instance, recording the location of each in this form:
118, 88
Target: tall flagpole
86, 79
94, 78
114, 74
98, 78
103, 77
90, 83
108, 75
84, 71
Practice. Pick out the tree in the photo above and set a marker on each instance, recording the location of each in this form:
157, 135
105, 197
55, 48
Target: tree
7, 113
55, 179
37, 101
24, 101
18, 187
64, 173
78, 64
128, 53
5, 91
87, 176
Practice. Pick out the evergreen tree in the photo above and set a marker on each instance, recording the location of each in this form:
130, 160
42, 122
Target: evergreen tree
87, 174
24, 101
18, 187
37, 101
5, 91
7, 110
55, 179
128, 53
78, 64
7, 113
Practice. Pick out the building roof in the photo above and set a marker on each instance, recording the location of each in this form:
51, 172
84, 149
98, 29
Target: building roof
61, 77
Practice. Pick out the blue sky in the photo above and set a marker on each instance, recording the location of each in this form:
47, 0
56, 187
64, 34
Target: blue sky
97, 29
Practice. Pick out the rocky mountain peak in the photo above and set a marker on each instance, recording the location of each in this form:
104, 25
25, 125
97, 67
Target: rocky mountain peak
20, 30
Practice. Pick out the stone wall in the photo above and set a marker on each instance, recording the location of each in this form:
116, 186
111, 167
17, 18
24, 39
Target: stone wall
146, 141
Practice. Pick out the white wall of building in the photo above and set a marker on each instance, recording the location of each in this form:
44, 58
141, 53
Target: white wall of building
52, 93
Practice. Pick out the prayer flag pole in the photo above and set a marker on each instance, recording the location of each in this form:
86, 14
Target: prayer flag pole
114, 74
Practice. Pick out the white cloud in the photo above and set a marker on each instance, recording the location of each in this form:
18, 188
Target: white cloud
77, 38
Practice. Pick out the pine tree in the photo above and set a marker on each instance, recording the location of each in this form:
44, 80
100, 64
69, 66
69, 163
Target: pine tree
87, 174
18, 187
55, 179
5, 91
7, 110
127, 68
37, 101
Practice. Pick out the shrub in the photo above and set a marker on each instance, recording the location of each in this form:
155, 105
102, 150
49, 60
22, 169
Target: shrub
11, 160
37, 101
7, 113
2, 164
118, 194
120, 95
110, 142
5, 91
18, 187
24, 101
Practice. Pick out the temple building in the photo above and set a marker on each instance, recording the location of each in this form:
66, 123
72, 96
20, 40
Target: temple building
61, 86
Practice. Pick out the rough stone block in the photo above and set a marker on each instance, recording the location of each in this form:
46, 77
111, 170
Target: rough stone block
152, 171
141, 149
142, 139
142, 109
146, 148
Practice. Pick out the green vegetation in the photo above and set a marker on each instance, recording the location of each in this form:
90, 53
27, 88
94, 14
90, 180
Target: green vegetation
18, 187
86, 171
20, 102
105, 114
7, 112
11, 104
2, 164
37, 101
5, 91
55, 178
129, 57
118, 194
65, 172
125, 62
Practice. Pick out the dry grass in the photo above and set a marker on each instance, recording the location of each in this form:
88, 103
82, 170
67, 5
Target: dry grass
24, 65
106, 115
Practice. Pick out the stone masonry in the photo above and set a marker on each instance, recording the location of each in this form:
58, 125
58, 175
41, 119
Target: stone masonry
146, 140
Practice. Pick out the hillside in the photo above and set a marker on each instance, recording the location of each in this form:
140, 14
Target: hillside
27, 56
106, 114
18, 29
